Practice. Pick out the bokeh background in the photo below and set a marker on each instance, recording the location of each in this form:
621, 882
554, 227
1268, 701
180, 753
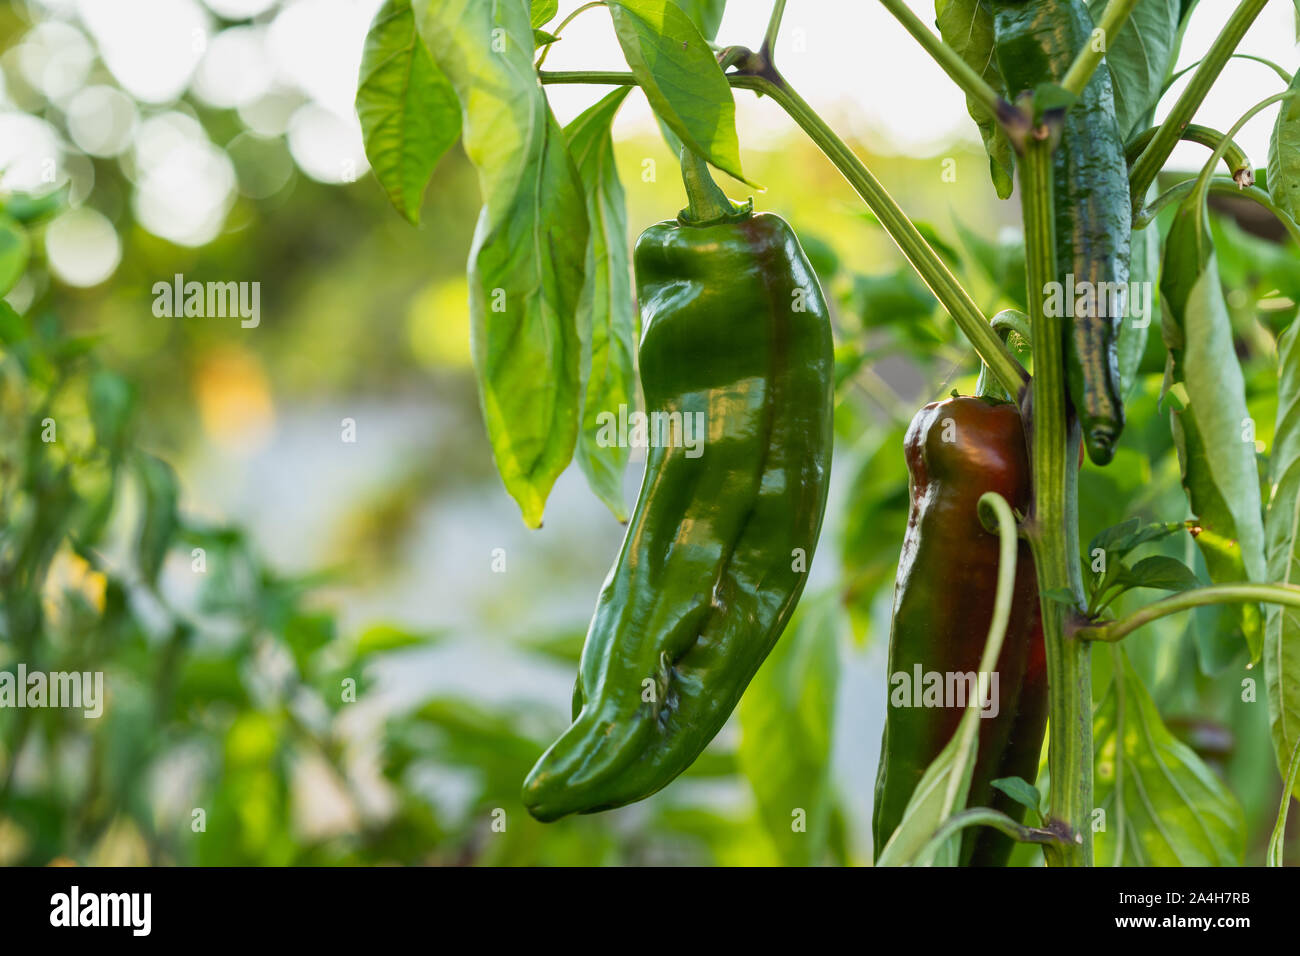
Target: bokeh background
217, 140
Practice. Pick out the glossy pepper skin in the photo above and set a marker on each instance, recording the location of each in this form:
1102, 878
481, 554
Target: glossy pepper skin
943, 604
736, 331
1036, 41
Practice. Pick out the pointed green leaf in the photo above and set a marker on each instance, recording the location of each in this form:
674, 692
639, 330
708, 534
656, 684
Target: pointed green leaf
1284, 155
1163, 805
967, 27
1282, 630
607, 311
1139, 59
528, 257
680, 77
408, 110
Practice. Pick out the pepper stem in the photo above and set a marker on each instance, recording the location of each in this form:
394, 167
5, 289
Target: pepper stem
706, 203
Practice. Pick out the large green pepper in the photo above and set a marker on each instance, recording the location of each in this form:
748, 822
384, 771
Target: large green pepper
1036, 41
737, 338
956, 451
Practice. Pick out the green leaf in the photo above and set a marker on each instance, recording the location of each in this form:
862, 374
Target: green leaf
541, 38
1163, 805
1019, 790
111, 402
305, 634
542, 12
967, 27
1117, 539
383, 638
1161, 572
786, 718
1140, 58
15, 248
1213, 431
1282, 626
29, 209
705, 14
680, 77
607, 310
1284, 154
528, 257
158, 515
408, 110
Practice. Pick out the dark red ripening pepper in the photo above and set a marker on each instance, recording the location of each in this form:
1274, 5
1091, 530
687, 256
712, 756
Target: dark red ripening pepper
944, 595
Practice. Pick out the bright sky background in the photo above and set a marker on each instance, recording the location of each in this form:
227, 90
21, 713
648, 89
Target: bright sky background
862, 71
291, 75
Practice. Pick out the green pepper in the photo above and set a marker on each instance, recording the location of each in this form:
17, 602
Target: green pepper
957, 450
737, 343
1036, 41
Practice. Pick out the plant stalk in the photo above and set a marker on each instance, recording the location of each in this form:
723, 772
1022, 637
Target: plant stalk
1053, 528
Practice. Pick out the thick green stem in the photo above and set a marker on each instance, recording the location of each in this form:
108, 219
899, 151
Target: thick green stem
1284, 594
1053, 529
768, 49
1153, 158
933, 271
706, 203
1088, 59
949, 59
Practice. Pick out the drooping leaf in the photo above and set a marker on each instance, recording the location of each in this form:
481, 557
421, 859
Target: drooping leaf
1139, 59
1163, 805
1284, 154
158, 520
528, 256
111, 400
967, 27
1212, 427
607, 310
1282, 628
786, 718
408, 110
680, 77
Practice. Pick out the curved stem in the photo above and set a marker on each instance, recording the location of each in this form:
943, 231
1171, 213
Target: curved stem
1244, 593
983, 816
559, 29
1235, 158
1053, 526
1088, 59
1286, 77
1203, 180
1220, 186
768, 49
931, 268
1153, 158
949, 59
1277, 841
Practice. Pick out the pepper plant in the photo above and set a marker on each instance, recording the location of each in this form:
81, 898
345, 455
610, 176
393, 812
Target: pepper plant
1064, 95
